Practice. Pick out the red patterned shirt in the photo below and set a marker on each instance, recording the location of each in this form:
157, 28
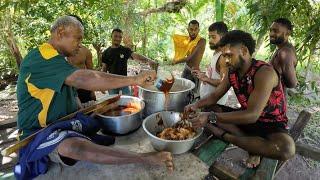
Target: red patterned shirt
275, 110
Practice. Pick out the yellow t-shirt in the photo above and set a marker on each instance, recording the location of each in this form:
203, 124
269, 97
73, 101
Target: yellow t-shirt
183, 46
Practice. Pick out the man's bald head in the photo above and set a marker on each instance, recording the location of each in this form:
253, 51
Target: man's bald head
66, 21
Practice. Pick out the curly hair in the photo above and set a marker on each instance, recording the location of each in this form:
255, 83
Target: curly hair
285, 22
236, 37
220, 27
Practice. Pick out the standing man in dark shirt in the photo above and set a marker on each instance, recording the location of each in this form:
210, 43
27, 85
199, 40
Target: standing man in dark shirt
284, 59
115, 59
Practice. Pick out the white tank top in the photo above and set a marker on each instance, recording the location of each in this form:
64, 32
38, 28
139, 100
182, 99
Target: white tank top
205, 88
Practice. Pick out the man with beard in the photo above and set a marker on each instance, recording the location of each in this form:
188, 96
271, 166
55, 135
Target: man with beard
189, 50
259, 126
115, 59
217, 69
284, 59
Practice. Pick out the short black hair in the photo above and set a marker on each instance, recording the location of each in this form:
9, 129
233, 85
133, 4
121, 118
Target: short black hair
285, 22
220, 27
194, 22
116, 30
78, 18
239, 37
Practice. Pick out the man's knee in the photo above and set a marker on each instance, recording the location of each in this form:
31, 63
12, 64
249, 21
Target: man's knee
72, 147
287, 148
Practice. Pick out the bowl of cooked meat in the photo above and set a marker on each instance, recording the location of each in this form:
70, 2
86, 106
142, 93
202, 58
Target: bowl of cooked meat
167, 131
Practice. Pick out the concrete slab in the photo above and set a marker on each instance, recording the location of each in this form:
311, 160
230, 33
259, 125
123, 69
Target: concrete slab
187, 166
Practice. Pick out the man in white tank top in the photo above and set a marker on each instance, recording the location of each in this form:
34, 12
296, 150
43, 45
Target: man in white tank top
217, 69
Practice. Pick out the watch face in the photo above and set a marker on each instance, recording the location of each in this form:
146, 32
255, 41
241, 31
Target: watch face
212, 118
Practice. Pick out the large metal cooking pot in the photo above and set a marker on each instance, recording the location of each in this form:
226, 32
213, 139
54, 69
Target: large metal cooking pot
126, 123
151, 127
179, 96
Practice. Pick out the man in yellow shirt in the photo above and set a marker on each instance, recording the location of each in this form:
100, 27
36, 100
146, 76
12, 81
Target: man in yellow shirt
189, 50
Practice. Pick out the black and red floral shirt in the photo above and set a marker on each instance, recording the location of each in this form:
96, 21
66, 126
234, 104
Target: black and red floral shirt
275, 110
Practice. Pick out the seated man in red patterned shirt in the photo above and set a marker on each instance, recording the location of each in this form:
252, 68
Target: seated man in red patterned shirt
259, 126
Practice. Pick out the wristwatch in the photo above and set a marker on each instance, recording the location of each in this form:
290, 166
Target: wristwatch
212, 118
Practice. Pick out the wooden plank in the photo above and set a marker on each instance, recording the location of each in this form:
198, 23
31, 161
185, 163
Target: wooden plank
222, 172
308, 151
9, 123
296, 131
92, 109
249, 172
300, 124
7, 176
209, 152
265, 170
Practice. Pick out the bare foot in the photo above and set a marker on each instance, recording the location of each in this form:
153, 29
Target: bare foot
253, 161
160, 158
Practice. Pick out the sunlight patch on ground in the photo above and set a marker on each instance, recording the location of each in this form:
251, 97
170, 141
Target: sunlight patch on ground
5, 117
14, 134
6, 160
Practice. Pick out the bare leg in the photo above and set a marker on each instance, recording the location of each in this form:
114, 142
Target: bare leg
253, 160
84, 150
277, 145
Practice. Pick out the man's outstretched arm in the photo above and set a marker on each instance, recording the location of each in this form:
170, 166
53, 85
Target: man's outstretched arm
142, 58
99, 81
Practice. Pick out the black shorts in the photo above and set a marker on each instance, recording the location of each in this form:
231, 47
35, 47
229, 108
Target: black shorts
262, 129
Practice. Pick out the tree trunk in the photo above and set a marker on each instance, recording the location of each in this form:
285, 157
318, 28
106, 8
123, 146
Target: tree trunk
98, 48
144, 39
219, 8
170, 7
259, 42
127, 22
13, 47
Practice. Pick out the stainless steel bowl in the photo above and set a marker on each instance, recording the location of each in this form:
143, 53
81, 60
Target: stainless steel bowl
123, 124
151, 127
179, 96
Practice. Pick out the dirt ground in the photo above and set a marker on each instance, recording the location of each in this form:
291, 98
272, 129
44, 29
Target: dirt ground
295, 169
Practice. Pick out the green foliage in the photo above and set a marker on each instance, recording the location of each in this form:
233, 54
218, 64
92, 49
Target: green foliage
151, 35
219, 7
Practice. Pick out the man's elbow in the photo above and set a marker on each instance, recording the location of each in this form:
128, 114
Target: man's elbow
78, 79
291, 84
253, 117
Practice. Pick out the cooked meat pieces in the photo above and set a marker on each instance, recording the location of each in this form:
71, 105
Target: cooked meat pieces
180, 133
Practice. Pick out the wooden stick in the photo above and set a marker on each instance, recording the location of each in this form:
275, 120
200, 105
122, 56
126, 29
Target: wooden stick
87, 110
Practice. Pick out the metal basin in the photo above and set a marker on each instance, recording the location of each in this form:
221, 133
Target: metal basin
151, 127
179, 96
126, 123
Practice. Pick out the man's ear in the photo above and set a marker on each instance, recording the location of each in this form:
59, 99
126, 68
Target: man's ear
60, 31
244, 50
288, 33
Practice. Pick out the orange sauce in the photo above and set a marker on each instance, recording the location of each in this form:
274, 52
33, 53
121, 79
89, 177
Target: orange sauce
165, 88
128, 109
